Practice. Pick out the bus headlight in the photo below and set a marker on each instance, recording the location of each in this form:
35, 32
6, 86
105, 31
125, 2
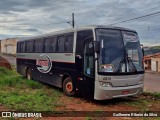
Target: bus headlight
141, 81
105, 84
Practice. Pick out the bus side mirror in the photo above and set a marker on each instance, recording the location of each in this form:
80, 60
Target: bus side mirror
96, 47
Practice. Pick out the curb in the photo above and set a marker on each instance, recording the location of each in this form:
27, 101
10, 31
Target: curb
152, 72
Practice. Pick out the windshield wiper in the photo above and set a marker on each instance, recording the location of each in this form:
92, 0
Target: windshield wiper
131, 65
119, 68
128, 62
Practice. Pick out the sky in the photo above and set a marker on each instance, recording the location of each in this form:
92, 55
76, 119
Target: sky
25, 18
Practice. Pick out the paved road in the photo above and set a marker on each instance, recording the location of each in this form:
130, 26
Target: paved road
151, 80
11, 59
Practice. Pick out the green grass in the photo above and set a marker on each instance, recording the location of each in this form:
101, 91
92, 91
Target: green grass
140, 103
5, 71
155, 95
145, 101
156, 47
18, 93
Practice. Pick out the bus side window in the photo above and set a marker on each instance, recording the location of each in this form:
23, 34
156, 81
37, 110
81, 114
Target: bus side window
22, 47
18, 47
81, 37
38, 45
68, 47
60, 42
50, 44
29, 46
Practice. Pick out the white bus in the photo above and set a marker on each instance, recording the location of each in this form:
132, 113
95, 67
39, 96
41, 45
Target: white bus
98, 62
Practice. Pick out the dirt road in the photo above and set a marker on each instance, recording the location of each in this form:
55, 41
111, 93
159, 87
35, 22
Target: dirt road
152, 82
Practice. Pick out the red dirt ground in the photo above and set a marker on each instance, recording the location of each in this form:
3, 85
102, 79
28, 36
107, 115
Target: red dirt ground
81, 104
5, 63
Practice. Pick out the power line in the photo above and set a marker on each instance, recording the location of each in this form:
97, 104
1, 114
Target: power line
143, 11
151, 14
28, 27
72, 23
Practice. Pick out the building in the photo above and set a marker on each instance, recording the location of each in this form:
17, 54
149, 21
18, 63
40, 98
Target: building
147, 62
155, 63
8, 46
152, 62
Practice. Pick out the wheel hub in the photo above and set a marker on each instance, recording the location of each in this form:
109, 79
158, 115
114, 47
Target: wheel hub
69, 87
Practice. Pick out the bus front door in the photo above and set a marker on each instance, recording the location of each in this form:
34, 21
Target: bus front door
86, 84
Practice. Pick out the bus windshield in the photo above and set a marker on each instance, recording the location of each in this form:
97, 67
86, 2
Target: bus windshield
120, 51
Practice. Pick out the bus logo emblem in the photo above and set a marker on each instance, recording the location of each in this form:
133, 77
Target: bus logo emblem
44, 65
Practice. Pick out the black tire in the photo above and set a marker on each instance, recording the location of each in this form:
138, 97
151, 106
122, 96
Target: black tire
68, 87
28, 74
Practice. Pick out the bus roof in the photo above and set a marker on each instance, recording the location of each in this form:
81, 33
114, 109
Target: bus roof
76, 29
104, 26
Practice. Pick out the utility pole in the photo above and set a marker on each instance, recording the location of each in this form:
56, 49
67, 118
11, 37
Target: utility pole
148, 28
73, 22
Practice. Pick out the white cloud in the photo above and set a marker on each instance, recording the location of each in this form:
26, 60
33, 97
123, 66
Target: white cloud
33, 17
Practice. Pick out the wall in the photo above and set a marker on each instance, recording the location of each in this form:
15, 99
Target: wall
147, 64
155, 67
8, 46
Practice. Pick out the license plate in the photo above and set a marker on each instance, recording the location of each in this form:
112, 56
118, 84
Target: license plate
125, 92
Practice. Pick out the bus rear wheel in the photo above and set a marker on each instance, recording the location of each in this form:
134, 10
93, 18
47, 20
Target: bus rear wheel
68, 87
28, 74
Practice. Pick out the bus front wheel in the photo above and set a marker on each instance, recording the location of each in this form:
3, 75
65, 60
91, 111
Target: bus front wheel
28, 74
68, 87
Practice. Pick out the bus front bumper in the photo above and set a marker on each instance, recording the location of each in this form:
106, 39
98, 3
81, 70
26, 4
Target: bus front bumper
103, 93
